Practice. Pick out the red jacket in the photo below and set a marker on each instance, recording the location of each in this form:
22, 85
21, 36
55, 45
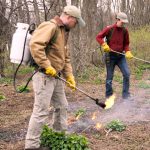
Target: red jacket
119, 40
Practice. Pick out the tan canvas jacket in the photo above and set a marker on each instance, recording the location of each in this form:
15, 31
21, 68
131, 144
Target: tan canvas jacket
57, 55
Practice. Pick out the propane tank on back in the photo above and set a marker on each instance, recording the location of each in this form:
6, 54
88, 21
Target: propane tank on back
18, 42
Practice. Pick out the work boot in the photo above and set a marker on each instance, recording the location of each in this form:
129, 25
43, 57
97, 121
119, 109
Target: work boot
128, 97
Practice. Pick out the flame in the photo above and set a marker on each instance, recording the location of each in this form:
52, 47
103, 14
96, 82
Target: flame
94, 116
110, 102
98, 126
77, 117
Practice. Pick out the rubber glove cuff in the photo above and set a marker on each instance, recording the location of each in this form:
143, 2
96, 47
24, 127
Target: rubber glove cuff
105, 47
129, 55
50, 71
71, 82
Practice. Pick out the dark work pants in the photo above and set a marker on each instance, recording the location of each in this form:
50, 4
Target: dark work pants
120, 61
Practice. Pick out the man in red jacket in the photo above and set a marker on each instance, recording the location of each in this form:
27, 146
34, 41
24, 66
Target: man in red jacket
117, 40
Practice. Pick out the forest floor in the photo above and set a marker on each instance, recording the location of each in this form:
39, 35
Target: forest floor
16, 109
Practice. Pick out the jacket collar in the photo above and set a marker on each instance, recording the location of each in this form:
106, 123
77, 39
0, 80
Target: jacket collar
58, 21
115, 26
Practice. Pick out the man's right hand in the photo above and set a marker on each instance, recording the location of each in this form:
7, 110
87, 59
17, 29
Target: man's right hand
50, 71
71, 82
105, 47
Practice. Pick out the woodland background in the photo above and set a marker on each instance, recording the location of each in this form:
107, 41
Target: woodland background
96, 13
16, 108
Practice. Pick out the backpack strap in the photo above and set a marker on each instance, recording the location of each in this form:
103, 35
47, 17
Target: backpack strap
124, 31
110, 33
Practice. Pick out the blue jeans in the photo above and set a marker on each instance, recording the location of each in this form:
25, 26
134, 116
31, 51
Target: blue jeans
120, 61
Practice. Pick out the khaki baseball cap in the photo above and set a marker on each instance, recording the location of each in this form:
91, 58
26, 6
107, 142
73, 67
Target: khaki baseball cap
123, 17
75, 12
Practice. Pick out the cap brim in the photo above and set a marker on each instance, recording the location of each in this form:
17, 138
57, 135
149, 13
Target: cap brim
125, 21
81, 22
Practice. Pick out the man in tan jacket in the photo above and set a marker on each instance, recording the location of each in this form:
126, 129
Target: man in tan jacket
54, 58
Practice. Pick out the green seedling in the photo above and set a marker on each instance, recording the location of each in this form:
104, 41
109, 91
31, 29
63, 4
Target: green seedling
5, 80
138, 74
80, 112
143, 85
21, 88
26, 70
2, 97
116, 125
62, 141
91, 75
97, 136
118, 79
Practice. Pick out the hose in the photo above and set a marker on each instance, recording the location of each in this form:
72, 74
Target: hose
15, 74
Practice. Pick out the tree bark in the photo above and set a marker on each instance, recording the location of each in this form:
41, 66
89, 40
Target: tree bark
37, 13
27, 11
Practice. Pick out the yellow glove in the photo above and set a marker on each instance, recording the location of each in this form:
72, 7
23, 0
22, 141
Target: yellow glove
105, 47
129, 55
71, 82
50, 71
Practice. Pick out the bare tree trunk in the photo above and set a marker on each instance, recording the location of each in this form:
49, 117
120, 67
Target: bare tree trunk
138, 9
74, 44
36, 10
27, 11
82, 38
64, 3
147, 12
123, 5
108, 13
20, 12
2, 23
3, 6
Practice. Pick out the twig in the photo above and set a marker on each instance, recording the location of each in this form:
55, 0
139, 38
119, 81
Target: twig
107, 132
86, 128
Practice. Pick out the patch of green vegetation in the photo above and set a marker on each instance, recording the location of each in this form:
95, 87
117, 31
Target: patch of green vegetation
97, 136
138, 74
2, 97
91, 74
6, 80
118, 79
116, 125
139, 49
139, 70
144, 85
23, 89
139, 33
62, 141
25, 70
80, 112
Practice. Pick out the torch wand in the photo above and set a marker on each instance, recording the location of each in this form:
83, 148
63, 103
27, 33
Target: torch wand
133, 56
102, 105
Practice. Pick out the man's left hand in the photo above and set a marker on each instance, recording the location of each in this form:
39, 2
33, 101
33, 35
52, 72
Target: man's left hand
129, 55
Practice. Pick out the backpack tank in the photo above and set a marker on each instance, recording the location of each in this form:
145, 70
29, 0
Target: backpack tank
17, 45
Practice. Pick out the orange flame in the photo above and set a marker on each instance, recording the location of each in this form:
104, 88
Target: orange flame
98, 126
77, 117
94, 116
110, 102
